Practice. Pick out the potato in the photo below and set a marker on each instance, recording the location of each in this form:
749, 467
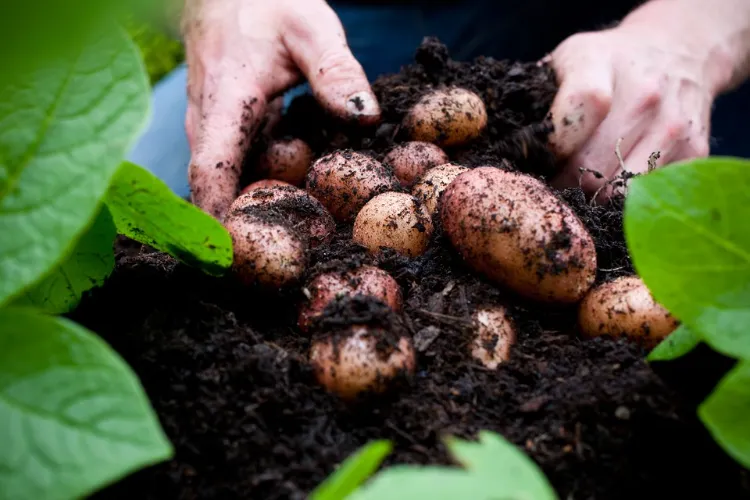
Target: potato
447, 117
495, 333
263, 183
345, 180
292, 207
625, 307
365, 280
286, 160
359, 362
394, 220
512, 228
432, 185
265, 254
412, 159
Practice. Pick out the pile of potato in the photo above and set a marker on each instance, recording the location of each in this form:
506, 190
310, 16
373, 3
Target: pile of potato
507, 226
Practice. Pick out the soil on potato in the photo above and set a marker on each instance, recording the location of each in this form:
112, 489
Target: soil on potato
227, 372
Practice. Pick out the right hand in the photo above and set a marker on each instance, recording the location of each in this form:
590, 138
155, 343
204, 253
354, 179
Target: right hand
242, 54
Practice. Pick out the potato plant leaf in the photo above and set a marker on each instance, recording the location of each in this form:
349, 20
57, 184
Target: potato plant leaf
73, 416
726, 413
680, 342
87, 267
145, 209
493, 469
64, 129
355, 469
686, 228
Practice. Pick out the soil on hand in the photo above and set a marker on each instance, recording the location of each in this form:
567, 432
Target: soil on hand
227, 369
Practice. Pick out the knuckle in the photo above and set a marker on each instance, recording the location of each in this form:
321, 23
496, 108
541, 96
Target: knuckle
697, 147
649, 96
337, 64
676, 129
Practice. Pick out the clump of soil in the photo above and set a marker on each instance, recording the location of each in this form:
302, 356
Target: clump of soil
227, 372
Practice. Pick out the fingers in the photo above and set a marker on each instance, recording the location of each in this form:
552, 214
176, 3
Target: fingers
229, 117
316, 41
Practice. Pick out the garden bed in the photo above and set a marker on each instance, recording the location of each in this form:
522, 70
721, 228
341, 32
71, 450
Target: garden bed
226, 367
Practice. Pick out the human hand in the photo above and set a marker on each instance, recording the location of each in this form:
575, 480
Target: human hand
241, 55
644, 83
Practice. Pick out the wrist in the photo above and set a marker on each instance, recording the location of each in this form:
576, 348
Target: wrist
718, 37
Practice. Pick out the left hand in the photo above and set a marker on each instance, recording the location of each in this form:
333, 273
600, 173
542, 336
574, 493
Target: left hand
651, 86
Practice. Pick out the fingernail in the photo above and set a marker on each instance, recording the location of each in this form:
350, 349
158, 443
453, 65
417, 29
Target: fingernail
362, 104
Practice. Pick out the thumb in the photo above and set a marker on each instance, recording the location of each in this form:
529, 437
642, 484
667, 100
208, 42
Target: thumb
223, 129
582, 102
316, 41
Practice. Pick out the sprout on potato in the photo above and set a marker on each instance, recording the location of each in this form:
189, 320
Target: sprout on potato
394, 220
412, 159
366, 281
447, 117
494, 334
345, 180
286, 160
512, 228
432, 185
625, 307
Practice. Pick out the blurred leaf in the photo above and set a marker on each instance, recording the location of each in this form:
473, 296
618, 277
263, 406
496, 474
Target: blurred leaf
353, 472
680, 342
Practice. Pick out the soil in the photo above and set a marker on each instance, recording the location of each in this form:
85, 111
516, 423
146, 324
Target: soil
226, 367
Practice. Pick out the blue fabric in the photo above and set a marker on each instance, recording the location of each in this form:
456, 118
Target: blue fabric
383, 39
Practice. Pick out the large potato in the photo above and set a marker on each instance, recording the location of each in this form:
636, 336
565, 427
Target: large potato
447, 117
432, 185
411, 160
286, 160
292, 207
345, 180
394, 220
366, 281
513, 229
625, 307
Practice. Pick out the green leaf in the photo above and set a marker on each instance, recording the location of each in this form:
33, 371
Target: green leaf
353, 472
145, 209
493, 469
73, 417
726, 413
87, 267
64, 128
680, 342
686, 227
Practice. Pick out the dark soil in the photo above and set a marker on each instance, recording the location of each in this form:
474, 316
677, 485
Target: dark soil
226, 367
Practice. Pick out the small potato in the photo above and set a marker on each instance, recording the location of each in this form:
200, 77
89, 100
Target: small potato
625, 307
265, 254
432, 185
359, 362
449, 117
495, 334
291, 207
286, 160
512, 228
412, 159
344, 181
366, 280
262, 184
394, 220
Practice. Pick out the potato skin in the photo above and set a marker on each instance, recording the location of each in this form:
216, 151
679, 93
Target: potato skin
625, 307
290, 206
432, 185
355, 364
286, 160
394, 220
495, 333
366, 280
265, 254
447, 117
411, 160
263, 183
344, 181
513, 229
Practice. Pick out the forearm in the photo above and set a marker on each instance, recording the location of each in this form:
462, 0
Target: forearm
720, 29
